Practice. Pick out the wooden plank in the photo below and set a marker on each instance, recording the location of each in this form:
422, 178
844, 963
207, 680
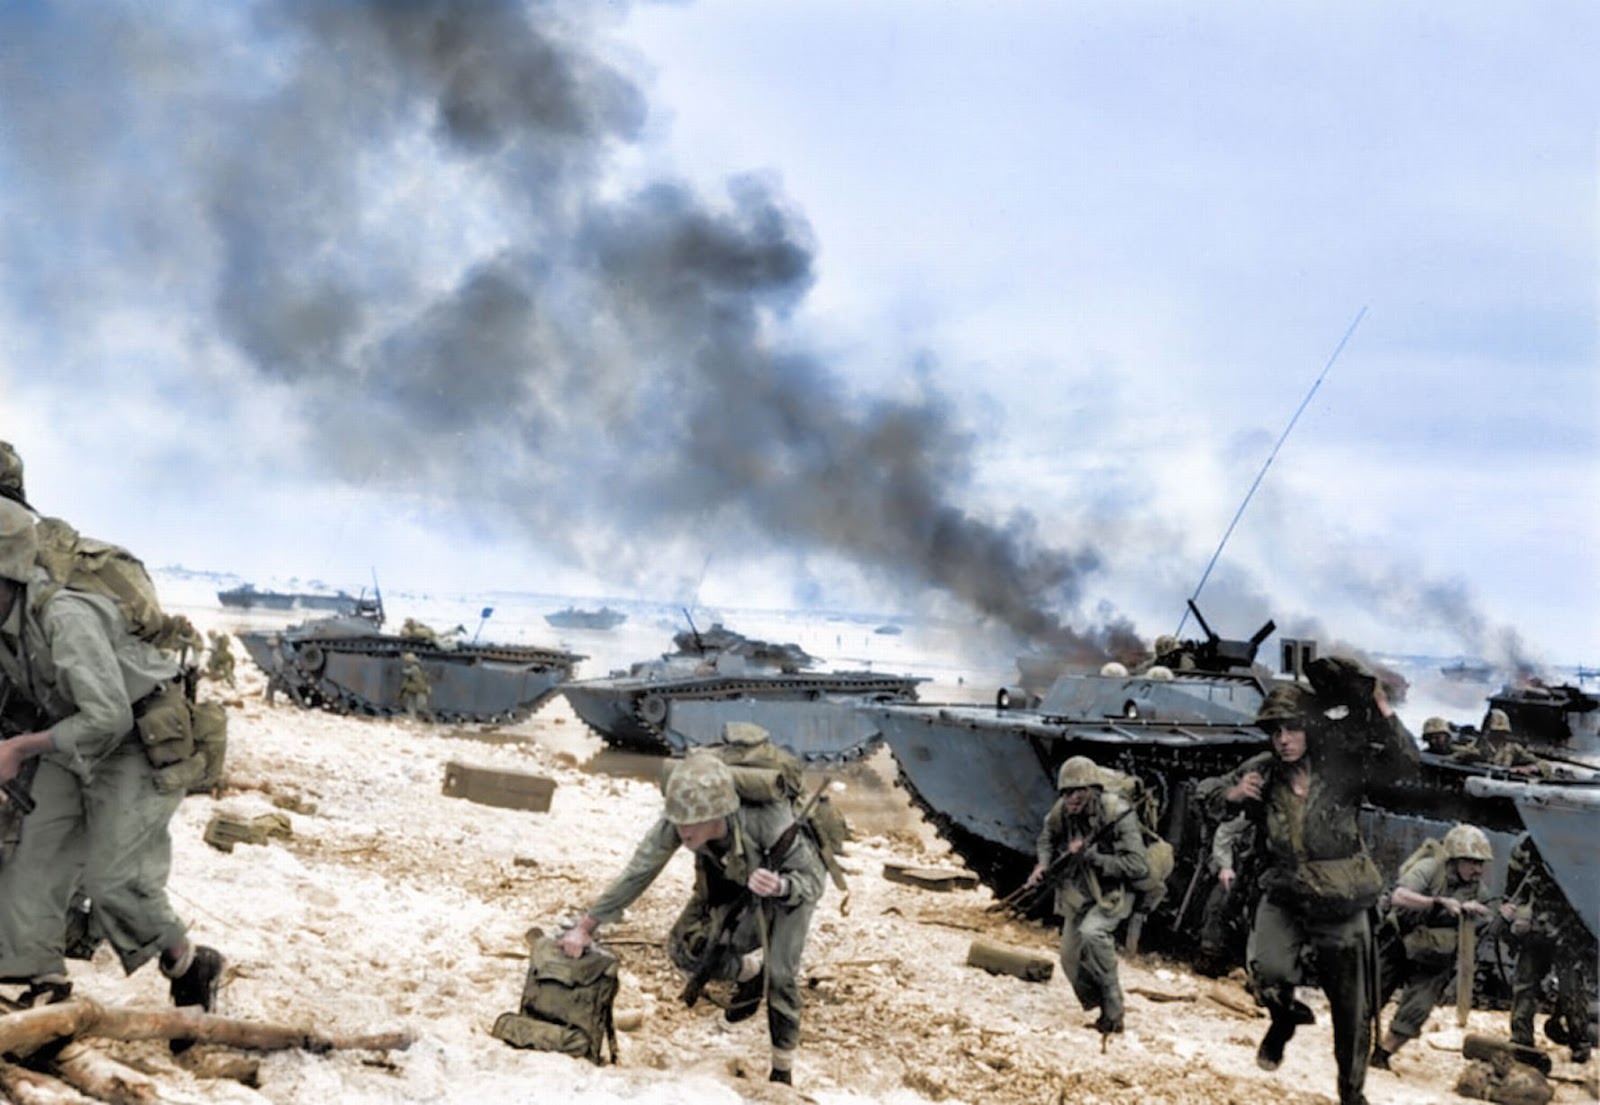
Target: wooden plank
490, 787
1000, 959
941, 879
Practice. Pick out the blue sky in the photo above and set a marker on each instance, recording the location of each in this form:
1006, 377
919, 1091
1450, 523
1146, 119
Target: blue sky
972, 309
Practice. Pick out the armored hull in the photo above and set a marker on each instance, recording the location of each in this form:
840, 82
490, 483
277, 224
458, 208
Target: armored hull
681, 701
248, 597
984, 776
347, 666
1561, 721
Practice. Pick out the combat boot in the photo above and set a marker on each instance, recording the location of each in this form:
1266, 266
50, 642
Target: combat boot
197, 985
746, 999
1270, 1054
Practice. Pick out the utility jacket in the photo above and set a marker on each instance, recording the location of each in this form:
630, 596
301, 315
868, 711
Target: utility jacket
1344, 762
723, 867
1113, 861
75, 660
1433, 933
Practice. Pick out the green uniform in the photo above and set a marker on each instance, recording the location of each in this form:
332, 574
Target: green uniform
99, 821
1314, 836
1094, 896
1556, 939
414, 688
1417, 948
1232, 848
721, 871
1482, 748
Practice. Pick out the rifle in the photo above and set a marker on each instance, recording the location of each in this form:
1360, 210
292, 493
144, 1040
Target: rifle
1058, 869
16, 790
701, 973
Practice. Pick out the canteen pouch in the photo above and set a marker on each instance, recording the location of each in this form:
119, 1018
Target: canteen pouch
164, 725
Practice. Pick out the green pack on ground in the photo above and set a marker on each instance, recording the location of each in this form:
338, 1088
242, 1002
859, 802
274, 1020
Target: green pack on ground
566, 1003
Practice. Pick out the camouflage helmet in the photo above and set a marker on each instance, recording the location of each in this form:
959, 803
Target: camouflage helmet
1113, 669
1078, 771
700, 789
409, 657
19, 545
1435, 725
1164, 644
743, 732
1287, 702
1467, 842
1160, 673
1498, 721
11, 474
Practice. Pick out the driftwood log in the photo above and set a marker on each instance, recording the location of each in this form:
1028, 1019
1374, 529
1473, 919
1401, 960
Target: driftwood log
78, 1018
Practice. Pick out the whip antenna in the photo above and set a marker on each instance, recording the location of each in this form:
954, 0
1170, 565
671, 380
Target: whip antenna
1261, 475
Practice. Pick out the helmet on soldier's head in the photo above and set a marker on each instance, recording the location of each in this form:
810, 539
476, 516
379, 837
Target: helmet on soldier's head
1287, 704
1435, 725
1079, 771
1468, 842
19, 544
1113, 669
700, 789
1498, 721
11, 474
1160, 673
743, 732
410, 657
1165, 643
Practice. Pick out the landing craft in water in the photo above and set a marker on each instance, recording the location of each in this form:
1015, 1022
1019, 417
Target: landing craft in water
1463, 672
573, 618
347, 665
682, 700
248, 597
984, 776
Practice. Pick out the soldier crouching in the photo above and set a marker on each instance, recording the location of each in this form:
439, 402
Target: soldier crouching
756, 886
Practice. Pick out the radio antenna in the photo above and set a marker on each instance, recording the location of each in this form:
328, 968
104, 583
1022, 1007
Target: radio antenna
1261, 475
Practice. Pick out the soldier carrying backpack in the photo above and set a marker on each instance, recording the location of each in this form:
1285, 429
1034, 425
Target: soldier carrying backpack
757, 882
105, 698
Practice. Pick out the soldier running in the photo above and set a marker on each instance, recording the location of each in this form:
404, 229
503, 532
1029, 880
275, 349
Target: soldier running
1318, 882
1091, 842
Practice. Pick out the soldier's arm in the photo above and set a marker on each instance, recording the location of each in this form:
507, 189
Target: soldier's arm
657, 846
1045, 846
802, 871
91, 679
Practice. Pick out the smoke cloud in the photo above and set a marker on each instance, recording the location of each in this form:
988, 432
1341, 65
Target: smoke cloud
410, 219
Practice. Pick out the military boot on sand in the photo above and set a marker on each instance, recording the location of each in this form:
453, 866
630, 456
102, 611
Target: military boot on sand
746, 999
198, 984
1281, 1031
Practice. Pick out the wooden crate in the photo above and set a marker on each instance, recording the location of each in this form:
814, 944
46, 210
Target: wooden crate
487, 786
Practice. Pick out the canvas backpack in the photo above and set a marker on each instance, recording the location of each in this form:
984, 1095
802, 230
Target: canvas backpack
767, 772
1152, 888
566, 1003
80, 563
186, 741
